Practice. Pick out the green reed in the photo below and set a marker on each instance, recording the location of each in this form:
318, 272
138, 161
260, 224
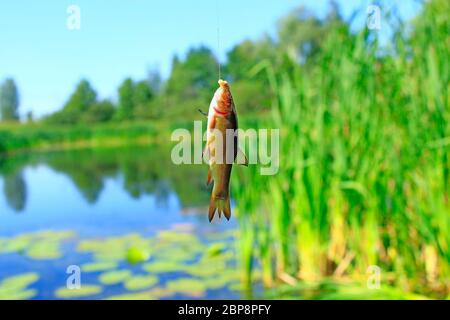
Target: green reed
364, 163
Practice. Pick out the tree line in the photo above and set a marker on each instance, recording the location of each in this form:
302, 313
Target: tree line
193, 79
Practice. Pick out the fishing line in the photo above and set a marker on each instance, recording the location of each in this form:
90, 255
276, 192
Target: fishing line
218, 37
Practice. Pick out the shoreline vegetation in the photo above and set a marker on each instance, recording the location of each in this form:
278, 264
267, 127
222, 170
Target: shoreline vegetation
24, 138
38, 137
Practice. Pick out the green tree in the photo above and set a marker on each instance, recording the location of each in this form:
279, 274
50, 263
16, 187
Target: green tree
246, 55
251, 91
83, 97
126, 103
142, 97
134, 100
101, 111
79, 103
9, 101
301, 34
154, 80
192, 81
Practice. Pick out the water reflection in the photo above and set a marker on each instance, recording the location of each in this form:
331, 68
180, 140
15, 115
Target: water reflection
15, 190
129, 201
141, 170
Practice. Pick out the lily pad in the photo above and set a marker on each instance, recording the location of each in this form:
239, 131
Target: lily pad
43, 245
161, 292
114, 277
202, 269
133, 248
111, 255
16, 244
176, 254
15, 287
237, 286
222, 280
152, 294
215, 249
19, 295
187, 286
44, 250
21, 280
83, 291
140, 282
133, 296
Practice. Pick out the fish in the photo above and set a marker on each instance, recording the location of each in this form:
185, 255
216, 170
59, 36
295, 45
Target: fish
221, 148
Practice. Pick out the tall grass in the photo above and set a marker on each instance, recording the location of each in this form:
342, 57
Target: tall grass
364, 176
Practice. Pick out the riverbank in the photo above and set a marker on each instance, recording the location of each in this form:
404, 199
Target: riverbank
21, 138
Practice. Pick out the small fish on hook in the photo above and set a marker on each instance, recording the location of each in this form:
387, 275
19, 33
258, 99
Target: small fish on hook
221, 117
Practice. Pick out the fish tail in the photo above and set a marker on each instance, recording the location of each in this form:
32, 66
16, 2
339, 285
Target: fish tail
226, 208
222, 205
212, 208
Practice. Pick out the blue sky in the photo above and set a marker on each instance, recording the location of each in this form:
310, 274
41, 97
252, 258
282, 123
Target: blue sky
118, 39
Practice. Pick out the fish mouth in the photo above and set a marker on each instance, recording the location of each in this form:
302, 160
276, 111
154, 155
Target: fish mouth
223, 96
223, 84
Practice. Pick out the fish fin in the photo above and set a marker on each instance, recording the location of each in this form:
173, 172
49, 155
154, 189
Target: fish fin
226, 208
209, 179
241, 158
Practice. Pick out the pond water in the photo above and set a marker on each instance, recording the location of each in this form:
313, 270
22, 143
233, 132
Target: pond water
134, 223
